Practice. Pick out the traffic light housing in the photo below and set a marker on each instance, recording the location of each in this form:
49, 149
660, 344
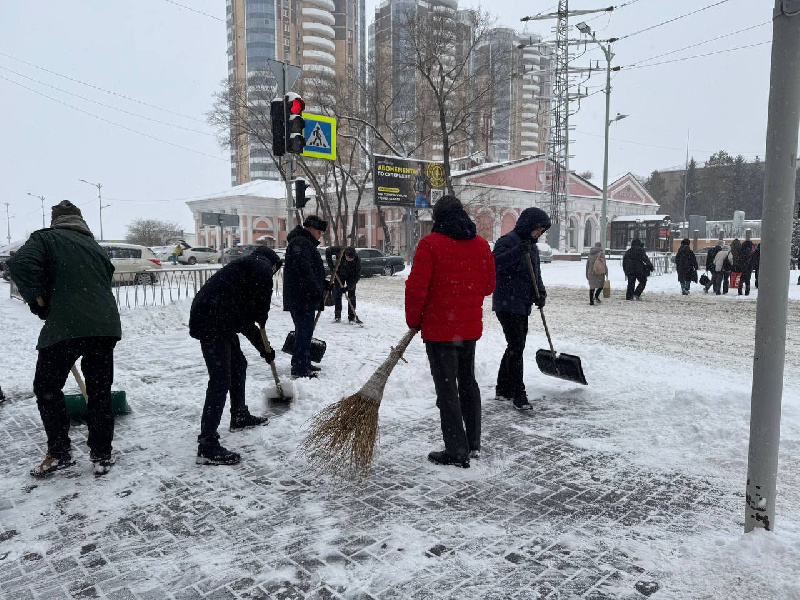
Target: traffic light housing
278, 117
294, 105
300, 199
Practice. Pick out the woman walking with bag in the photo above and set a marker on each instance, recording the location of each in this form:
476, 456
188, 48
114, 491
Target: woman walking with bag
686, 265
596, 272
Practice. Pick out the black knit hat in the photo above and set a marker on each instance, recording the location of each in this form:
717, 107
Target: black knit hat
350, 251
686, 242
445, 204
315, 222
64, 208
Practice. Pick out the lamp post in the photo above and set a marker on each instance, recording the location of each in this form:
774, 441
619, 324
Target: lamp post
42, 200
606, 48
99, 186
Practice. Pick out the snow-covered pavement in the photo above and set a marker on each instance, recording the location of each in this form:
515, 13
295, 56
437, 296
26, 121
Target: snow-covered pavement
630, 486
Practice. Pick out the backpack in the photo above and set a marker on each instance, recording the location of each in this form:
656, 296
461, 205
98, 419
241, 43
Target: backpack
599, 267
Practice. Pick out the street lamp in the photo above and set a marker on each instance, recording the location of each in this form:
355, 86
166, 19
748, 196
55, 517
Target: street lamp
605, 46
100, 200
42, 199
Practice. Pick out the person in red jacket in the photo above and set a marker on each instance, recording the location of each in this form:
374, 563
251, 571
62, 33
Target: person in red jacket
452, 272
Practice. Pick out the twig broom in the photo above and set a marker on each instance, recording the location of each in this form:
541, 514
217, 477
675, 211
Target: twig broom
343, 435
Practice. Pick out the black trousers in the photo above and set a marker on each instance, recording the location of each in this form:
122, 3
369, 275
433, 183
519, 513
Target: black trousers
509, 377
458, 396
227, 371
744, 282
721, 279
633, 289
337, 301
52, 370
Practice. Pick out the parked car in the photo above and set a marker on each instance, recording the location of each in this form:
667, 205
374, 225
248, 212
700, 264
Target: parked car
133, 263
375, 262
232, 254
198, 254
163, 253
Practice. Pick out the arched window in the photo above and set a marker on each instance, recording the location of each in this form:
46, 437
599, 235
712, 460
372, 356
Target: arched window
589, 233
508, 223
573, 233
485, 225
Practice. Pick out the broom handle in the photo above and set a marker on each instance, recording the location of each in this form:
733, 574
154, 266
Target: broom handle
77, 375
397, 351
325, 295
348, 300
541, 308
268, 348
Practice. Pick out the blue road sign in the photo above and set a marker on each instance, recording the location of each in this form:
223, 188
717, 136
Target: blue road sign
320, 136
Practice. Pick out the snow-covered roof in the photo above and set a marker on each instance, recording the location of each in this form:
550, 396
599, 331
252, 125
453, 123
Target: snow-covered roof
635, 218
262, 188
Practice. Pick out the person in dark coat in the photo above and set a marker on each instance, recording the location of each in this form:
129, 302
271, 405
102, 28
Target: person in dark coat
736, 246
347, 277
452, 273
712, 253
234, 300
304, 287
65, 277
745, 266
686, 265
637, 267
756, 262
514, 296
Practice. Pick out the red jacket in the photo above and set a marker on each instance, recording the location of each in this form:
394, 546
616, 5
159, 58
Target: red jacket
445, 290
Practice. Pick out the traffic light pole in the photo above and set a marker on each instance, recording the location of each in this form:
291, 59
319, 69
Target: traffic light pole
780, 161
288, 172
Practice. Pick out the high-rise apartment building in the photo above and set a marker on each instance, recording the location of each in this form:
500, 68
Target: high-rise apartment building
326, 38
510, 124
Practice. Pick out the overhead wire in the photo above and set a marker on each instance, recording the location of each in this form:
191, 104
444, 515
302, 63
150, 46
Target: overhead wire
84, 83
147, 135
672, 20
666, 62
122, 110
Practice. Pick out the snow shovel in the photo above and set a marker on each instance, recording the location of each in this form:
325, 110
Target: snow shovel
318, 347
563, 366
279, 393
78, 403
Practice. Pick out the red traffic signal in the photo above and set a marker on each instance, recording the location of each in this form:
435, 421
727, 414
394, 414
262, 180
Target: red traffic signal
294, 105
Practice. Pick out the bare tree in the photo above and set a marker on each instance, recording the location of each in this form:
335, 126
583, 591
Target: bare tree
152, 232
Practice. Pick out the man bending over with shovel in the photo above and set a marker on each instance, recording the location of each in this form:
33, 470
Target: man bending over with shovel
65, 277
514, 296
232, 301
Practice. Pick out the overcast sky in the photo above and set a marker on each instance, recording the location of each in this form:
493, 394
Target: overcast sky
169, 57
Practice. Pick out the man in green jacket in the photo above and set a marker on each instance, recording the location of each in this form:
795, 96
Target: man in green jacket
65, 277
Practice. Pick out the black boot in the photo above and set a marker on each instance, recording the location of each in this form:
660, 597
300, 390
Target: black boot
243, 420
591, 297
597, 295
443, 458
214, 454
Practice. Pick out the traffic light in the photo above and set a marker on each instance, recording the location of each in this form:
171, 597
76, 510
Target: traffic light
278, 116
295, 123
300, 199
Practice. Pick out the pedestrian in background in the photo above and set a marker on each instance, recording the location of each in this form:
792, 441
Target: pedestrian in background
736, 246
723, 264
236, 299
176, 252
745, 266
686, 265
65, 277
514, 296
712, 253
756, 262
304, 287
637, 267
347, 276
596, 272
452, 273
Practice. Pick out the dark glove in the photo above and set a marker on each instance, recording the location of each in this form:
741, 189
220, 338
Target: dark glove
328, 286
344, 289
539, 302
526, 245
269, 355
40, 311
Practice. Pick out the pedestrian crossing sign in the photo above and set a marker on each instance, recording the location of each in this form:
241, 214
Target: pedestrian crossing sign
320, 136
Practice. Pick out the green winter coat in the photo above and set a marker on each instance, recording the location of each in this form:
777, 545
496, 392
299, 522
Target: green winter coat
66, 266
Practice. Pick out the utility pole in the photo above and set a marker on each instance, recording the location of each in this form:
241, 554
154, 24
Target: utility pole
8, 223
780, 163
100, 199
41, 198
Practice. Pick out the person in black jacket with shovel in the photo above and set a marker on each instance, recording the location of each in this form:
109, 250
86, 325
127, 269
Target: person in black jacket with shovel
303, 288
345, 282
231, 302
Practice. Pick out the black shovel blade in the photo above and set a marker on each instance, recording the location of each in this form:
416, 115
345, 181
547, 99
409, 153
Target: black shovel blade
318, 347
563, 366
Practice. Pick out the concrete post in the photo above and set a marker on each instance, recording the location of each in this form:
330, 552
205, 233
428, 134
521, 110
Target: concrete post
780, 163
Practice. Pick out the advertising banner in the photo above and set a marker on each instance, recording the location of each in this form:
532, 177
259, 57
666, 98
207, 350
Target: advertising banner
407, 181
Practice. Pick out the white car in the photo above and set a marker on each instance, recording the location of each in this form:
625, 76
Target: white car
200, 254
133, 263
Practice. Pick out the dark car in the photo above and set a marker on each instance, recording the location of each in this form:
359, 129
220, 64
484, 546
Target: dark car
375, 262
232, 254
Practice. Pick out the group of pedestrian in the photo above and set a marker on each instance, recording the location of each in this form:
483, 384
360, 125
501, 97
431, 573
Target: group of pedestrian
724, 259
453, 271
